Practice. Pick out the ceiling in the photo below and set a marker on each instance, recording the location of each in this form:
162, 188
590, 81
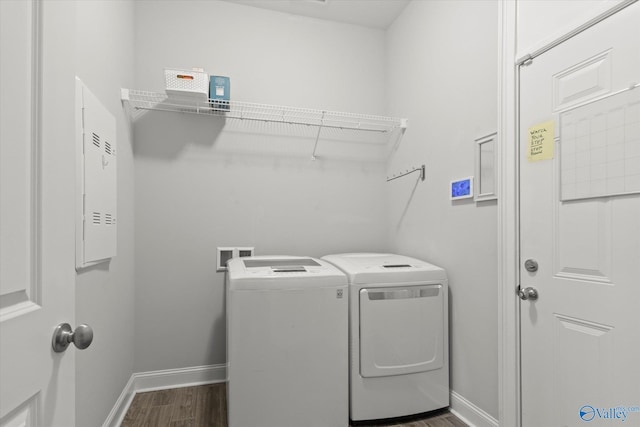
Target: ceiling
369, 13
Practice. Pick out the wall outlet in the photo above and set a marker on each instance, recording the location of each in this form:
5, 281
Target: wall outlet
243, 252
226, 253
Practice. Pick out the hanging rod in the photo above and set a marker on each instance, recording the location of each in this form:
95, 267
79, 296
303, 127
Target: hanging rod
421, 169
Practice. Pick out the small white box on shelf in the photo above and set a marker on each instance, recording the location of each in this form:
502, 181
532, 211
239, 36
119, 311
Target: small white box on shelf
191, 83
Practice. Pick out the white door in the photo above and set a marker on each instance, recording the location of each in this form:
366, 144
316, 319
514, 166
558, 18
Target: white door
580, 221
37, 163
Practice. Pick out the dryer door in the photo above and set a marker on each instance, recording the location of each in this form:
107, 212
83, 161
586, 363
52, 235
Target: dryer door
401, 330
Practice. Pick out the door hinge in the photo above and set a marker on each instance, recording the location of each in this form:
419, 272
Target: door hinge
527, 60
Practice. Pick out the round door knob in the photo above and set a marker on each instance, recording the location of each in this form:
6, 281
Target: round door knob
529, 293
63, 335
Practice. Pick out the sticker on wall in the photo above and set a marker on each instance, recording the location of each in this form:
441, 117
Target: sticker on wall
541, 142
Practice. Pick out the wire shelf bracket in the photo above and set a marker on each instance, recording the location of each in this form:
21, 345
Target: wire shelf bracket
315, 146
421, 169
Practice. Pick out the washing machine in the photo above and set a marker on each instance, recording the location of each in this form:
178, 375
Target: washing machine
398, 334
287, 343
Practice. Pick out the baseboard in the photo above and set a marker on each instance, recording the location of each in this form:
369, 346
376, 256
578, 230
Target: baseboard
160, 380
119, 410
470, 413
174, 378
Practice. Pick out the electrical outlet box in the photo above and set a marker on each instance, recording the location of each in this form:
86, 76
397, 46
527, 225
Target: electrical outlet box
244, 252
226, 253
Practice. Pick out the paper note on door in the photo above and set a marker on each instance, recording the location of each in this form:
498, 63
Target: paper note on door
541, 142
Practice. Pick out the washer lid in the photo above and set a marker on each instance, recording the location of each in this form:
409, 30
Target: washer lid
282, 272
371, 268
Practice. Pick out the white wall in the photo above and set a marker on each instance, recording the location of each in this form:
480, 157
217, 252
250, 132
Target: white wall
442, 75
202, 183
105, 293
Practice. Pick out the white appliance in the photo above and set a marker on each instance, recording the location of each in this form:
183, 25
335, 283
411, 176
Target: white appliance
287, 338
398, 333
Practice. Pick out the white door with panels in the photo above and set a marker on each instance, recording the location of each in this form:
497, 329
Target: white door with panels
580, 228
37, 189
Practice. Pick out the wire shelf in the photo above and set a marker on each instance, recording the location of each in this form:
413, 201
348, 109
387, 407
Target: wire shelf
141, 100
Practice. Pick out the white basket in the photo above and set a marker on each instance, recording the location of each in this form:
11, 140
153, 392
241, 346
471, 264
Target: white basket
194, 84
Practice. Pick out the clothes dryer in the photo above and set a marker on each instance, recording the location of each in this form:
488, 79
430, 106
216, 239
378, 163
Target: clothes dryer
398, 333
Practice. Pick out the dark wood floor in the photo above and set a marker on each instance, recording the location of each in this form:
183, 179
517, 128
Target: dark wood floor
201, 406
206, 406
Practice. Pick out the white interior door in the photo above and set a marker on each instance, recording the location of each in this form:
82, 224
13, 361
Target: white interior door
37, 163
580, 221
